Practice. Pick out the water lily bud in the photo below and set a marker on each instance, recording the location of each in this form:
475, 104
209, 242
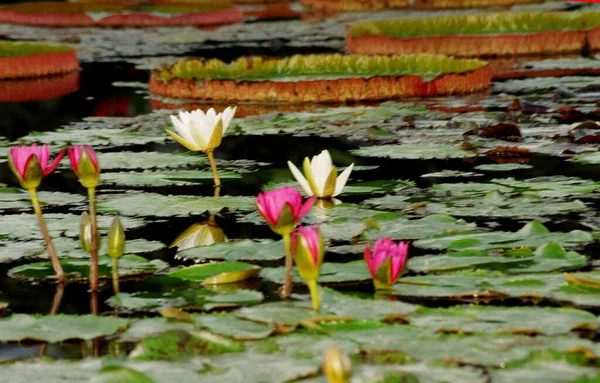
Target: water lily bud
308, 248
85, 165
337, 367
116, 239
283, 208
30, 164
85, 232
386, 262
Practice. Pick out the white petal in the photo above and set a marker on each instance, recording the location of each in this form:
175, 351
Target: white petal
182, 129
203, 131
342, 179
300, 178
321, 167
228, 114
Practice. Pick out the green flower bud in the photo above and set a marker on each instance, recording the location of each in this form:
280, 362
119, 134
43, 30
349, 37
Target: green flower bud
337, 367
116, 239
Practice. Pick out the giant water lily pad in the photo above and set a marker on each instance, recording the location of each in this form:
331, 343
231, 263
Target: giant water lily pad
416, 151
531, 235
56, 328
79, 269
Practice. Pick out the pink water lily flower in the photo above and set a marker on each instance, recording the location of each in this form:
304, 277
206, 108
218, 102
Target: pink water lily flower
386, 261
283, 208
85, 165
30, 163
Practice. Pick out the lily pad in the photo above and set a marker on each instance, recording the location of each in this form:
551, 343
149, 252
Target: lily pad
531, 235
244, 250
162, 178
191, 299
130, 266
331, 273
217, 273
16, 199
148, 160
411, 151
502, 167
57, 328
151, 204
227, 324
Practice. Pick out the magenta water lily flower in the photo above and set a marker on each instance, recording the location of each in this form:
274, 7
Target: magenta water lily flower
283, 208
386, 262
31, 163
85, 165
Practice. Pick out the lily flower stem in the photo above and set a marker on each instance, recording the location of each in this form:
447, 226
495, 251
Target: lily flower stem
213, 166
115, 275
287, 285
314, 294
60, 275
94, 247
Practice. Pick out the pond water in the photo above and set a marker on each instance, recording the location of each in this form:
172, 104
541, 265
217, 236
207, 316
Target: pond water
497, 193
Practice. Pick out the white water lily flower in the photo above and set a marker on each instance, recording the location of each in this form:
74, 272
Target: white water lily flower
201, 132
321, 178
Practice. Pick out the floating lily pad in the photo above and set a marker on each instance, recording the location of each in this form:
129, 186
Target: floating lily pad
548, 257
146, 327
552, 187
217, 273
531, 235
244, 250
162, 178
498, 319
130, 266
14, 198
191, 299
66, 247
491, 287
502, 167
26, 226
150, 204
149, 160
333, 304
407, 151
331, 273
56, 328
175, 345
111, 374
480, 349
227, 324
592, 158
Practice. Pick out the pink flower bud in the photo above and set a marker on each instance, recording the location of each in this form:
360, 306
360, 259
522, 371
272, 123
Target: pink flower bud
308, 248
283, 208
386, 262
30, 163
85, 165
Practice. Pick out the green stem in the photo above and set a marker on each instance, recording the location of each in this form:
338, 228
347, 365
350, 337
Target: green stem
60, 275
213, 166
287, 285
314, 294
115, 275
94, 249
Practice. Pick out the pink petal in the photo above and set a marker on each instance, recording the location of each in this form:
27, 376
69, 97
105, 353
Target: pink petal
369, 260
92, 155
54, 164
43, 154
304, 209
